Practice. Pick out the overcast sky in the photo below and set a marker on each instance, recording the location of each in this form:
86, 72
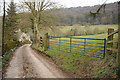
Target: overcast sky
67, 3
76, 3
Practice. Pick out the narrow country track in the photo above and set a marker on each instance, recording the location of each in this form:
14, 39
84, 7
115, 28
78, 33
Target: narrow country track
26, 63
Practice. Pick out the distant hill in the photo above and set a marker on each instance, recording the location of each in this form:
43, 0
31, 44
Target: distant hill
77, 15
73, 15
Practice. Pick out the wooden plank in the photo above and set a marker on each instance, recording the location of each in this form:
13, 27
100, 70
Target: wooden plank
116, 31
112, 42
112, 49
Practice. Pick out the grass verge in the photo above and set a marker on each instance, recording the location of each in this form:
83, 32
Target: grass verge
6, 57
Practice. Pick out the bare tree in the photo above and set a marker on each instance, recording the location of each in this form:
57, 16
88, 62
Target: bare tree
36, 8
94, 14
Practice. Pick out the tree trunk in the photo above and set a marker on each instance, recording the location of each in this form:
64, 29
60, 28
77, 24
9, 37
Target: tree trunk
3, 30
36, 34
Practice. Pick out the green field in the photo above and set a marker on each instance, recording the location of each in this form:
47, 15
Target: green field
80, 46
65, 42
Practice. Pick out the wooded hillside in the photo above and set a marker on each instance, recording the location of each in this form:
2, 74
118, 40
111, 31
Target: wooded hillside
80, 15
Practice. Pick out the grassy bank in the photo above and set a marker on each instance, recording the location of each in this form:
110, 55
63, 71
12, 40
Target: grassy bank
84, 66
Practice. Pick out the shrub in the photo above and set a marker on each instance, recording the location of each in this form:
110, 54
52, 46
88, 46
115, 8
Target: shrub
10, 44
89, 31
26, 42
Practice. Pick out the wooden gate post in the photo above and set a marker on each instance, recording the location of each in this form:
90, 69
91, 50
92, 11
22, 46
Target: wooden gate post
110, 38
110, 30
46, 42
118, 54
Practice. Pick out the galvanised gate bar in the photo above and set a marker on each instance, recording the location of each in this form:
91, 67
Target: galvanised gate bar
92, 47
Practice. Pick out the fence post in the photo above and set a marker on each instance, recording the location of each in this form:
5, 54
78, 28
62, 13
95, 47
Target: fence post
104, 48
110, 38
46, 42
84, 44
70, 43
59, 42
41, 41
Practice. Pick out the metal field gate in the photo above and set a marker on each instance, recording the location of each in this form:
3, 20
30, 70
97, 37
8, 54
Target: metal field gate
84, 46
